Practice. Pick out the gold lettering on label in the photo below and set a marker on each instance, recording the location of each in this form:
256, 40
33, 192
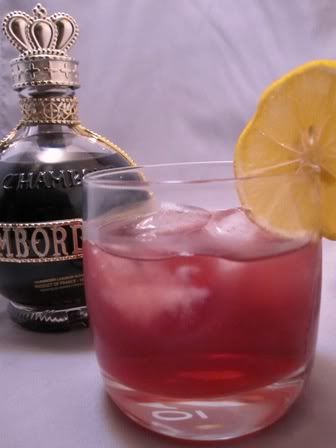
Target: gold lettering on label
41, 242
59, 237
35, 241
76, 228
5, 244
22, 248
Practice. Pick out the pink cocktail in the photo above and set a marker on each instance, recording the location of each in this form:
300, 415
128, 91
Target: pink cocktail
204, 323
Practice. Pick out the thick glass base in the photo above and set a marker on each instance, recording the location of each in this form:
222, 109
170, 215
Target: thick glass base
221, 418
48, 320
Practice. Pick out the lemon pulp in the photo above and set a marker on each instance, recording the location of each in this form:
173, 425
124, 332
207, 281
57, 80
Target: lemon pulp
287, 153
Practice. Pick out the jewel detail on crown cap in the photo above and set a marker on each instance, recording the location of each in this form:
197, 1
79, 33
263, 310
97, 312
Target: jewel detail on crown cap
40, 34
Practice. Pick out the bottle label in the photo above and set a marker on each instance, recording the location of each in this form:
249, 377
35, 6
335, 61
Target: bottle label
46, 285
24, 181
41, 242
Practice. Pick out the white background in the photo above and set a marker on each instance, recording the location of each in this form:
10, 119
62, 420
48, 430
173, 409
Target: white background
168, 80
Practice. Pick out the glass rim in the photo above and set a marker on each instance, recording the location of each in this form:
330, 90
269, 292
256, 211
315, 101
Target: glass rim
98, 178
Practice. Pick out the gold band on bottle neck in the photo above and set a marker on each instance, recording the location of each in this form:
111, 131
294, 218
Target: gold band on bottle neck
54, 110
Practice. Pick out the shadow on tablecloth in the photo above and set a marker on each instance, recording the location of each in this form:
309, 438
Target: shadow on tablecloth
15, 338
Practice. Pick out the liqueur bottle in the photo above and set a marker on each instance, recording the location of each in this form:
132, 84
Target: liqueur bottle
42, 164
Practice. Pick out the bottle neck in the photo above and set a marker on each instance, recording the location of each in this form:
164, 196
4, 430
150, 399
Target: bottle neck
48, 105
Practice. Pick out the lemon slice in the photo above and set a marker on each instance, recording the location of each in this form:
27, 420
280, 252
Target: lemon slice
287, 153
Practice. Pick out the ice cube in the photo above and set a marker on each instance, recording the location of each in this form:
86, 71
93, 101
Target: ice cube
232, 225
232, 234
157, 235
142, 291
172, 219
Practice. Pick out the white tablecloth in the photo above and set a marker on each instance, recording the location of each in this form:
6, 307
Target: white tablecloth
51, 395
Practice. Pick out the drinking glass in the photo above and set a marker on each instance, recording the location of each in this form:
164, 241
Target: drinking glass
204, 317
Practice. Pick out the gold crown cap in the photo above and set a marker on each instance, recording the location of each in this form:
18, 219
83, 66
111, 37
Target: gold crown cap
43, 42
40, 33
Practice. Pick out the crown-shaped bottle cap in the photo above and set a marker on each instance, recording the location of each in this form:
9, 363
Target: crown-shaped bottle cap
43, 42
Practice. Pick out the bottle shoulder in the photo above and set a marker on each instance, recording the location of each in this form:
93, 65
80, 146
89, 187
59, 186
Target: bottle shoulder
59, 144
41, 174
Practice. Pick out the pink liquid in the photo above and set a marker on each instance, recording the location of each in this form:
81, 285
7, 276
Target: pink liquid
231, 317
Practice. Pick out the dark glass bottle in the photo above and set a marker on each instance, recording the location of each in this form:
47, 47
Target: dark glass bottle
42, 164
